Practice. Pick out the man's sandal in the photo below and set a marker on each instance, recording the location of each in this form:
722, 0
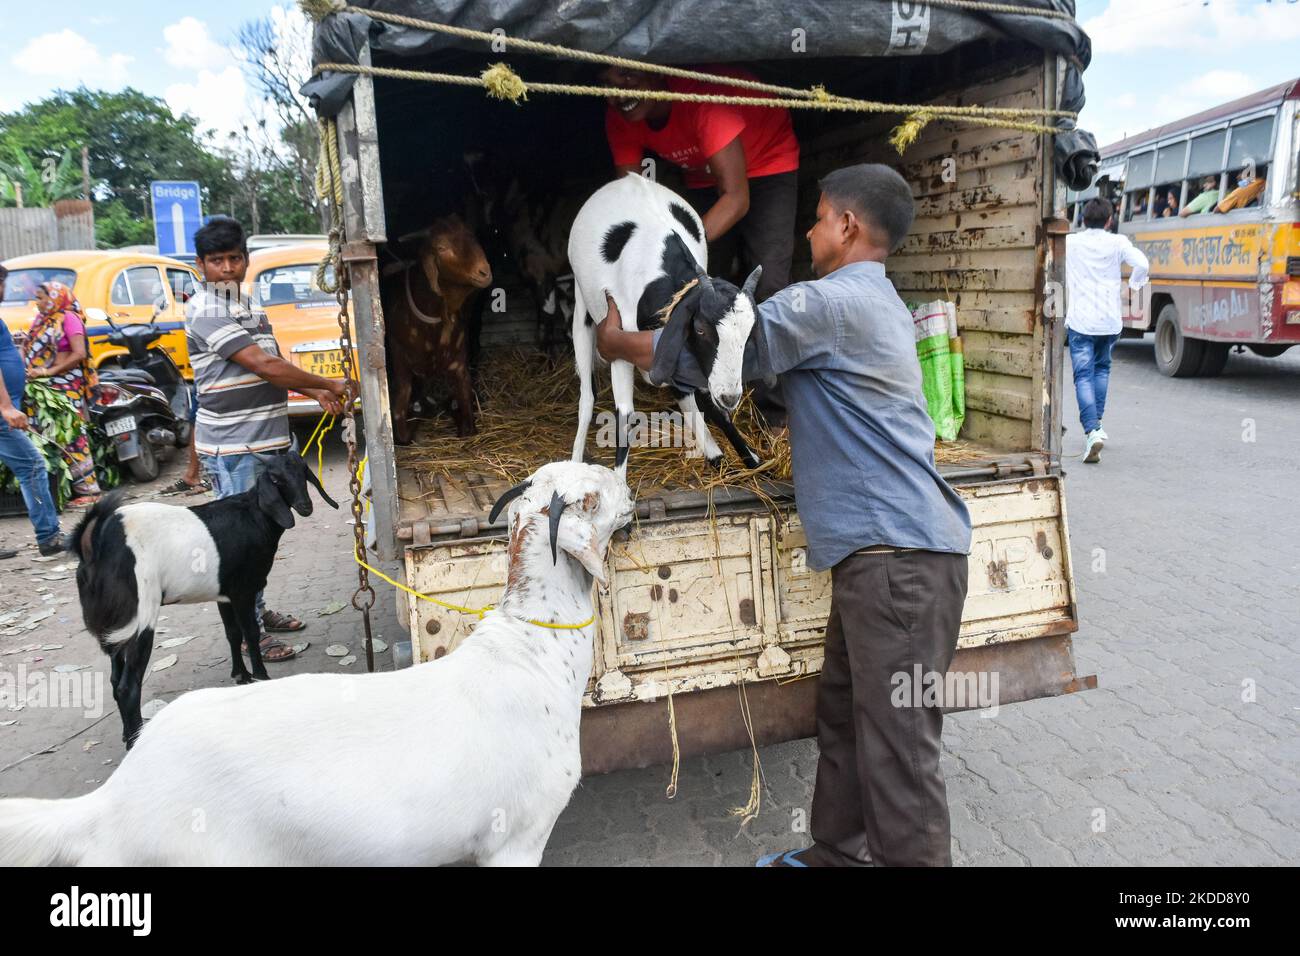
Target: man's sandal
273, 651
276, 623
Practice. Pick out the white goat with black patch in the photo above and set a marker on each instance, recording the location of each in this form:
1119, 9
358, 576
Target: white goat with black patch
469, 757
137, 557
644, 245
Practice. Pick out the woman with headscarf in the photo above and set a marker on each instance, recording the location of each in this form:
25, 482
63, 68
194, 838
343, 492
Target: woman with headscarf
55, 351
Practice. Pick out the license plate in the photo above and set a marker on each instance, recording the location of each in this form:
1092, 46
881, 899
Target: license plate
325, 364
119, 426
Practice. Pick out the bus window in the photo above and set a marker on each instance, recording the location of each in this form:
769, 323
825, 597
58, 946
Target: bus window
1169, 179
1250, 142
1248, 156
1140, 170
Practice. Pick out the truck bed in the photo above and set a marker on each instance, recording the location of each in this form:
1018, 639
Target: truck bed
438, 504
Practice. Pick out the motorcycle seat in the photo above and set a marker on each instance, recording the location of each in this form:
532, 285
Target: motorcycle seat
137, 375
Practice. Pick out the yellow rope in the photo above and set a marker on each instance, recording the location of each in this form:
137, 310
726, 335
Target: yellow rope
671, 790
979, 6
502, 83
329, 185
318, 436
476, 611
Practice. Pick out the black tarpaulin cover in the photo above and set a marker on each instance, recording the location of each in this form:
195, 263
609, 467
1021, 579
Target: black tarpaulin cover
719, 31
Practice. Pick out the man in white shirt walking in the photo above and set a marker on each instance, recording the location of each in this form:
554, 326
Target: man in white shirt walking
1093, 315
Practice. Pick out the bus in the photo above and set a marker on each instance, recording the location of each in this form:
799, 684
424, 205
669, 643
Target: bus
1212, 200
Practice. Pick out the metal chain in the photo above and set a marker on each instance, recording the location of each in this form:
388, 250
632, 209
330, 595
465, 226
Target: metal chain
329, 186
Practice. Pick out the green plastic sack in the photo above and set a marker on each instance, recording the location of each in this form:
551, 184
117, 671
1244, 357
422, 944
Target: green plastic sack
943, 369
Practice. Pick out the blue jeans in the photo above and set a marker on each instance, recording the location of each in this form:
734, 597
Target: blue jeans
24, 459
233, 475
1090, 356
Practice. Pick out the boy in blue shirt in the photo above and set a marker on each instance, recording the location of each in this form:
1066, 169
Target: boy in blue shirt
877, 513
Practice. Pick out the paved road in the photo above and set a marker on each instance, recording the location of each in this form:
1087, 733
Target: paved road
1188, 753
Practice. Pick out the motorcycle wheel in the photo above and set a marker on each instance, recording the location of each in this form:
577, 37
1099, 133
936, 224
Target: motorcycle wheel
144, 466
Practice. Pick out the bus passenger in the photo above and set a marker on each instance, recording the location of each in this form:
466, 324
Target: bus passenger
1204, 202
1246, 194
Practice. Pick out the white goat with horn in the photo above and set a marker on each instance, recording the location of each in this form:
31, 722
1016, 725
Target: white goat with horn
469, 757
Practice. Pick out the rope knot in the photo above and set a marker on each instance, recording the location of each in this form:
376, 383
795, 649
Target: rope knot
820, 95
906, 132
504, 83
320, 9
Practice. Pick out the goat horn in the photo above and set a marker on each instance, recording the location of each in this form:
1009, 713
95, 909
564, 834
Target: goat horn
752, 282
506, 498
311, 476
418, 234
557, 509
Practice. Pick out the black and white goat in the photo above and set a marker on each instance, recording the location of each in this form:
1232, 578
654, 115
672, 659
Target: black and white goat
137, 557
644, 245
469, 757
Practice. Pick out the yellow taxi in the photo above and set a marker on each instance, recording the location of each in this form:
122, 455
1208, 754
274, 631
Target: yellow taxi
281, 280
125, 286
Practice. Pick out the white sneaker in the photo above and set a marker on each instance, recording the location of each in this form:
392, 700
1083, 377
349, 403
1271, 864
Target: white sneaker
1092, 447
1101, 433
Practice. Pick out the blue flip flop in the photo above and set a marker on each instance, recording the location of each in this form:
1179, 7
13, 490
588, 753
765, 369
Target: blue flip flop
787, 858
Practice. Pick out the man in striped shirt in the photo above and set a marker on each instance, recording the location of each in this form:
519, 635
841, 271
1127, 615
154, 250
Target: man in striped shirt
242, 383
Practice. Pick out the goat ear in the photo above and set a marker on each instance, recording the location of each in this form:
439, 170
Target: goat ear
577, 538
272, 502
506, 498
752, 282
429, 266
311, 476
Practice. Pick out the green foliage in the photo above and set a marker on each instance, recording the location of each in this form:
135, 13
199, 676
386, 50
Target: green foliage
55, 418
134, 139
41, 185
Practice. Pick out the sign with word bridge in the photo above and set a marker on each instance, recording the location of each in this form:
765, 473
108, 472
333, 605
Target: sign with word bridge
177, 215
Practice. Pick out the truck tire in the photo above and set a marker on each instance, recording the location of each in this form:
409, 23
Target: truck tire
144, 466
1176, 355
1214, 359
1268, 351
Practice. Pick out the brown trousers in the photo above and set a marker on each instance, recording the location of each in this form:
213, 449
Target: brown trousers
880, 798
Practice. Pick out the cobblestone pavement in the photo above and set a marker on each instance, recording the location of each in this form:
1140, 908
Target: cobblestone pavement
1186, 564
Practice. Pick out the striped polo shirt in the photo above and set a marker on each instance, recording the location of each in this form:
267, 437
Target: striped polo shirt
239, 412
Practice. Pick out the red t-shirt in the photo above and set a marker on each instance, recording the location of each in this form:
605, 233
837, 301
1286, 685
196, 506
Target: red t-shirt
696, 131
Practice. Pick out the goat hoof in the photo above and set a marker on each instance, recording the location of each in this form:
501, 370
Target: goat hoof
262, 676
243, 678
715, 463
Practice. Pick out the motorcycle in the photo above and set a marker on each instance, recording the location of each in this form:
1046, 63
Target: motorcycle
144, 403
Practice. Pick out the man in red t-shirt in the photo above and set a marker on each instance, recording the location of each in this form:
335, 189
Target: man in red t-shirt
741, 165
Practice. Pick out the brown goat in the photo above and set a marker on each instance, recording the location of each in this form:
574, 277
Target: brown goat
425, 331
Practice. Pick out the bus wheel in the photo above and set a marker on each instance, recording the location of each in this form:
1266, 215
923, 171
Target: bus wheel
1215, 358
1268, 351
1176, 355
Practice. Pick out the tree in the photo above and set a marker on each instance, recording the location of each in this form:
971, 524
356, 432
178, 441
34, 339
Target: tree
132, 139
275, 54
22, 183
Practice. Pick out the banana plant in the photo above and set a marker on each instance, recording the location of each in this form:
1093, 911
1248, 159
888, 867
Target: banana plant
41, 186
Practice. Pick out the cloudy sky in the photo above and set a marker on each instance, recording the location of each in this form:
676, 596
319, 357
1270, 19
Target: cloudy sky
1153, 60
151, 45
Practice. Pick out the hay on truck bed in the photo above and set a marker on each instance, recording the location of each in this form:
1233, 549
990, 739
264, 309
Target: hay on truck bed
528, 415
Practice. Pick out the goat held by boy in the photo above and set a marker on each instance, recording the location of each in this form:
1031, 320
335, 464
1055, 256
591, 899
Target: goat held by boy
468, 757
644, 246
137, 557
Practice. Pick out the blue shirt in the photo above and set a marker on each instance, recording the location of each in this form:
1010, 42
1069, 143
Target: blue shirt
861, 440
11, 367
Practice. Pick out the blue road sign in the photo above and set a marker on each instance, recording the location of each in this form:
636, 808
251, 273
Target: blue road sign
177, 215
